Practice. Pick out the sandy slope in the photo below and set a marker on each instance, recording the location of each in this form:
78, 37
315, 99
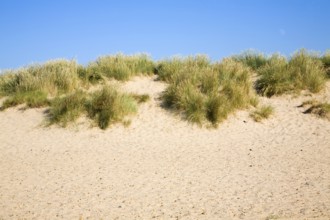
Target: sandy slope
162, 167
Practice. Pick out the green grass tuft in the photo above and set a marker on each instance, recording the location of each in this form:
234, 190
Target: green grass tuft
318, 108
209, 92
141, 98
120, 67
109, 106
168, 70
67, 109
52, 77
90, 75
302, 71
34, 99
326, 62
252, 59
261, 113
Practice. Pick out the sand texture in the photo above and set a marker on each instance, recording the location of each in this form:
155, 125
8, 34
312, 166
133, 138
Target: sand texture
162, 167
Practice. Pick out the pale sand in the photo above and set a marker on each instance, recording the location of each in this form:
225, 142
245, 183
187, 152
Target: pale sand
163, 167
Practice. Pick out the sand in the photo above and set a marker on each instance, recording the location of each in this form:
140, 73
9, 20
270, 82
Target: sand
162, 167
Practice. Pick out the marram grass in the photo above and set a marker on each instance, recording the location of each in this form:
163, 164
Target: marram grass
262, 113
209, 93
105, 107
303, 71
200, 90
110, 106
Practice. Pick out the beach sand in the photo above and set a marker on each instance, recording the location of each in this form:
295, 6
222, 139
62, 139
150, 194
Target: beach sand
162, 167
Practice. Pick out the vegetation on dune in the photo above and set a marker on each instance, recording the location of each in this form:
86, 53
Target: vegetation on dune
109, 106
274, 77
89, 75
209, 92
262, 113
201, 90
321, 109
252, 59
326, 62
106, 106
53, 77
119, 67
68, 108
168, 70
33, 99
302, 72
141, 98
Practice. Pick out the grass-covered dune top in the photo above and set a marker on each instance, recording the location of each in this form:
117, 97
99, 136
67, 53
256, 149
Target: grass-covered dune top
119, 67
201, 90
205, 91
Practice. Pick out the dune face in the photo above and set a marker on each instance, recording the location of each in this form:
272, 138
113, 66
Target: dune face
165, 168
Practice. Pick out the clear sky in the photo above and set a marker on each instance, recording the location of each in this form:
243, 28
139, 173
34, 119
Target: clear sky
39, 30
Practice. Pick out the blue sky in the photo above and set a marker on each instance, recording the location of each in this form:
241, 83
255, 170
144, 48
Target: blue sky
39, 30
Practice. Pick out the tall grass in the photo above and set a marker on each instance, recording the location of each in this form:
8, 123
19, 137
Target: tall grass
252, 58
274, 77
302, 71
33, 99
109, 106
68, 108
89, 75
209, 92
53, 77
120, 67
326, 62
168, 69
105, 107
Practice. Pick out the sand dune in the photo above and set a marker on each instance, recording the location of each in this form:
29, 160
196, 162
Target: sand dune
165, 168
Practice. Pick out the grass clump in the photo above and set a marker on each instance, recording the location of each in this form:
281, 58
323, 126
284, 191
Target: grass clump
274, 77
326, 62
67, 109
302, 71
252, 59
89, 75
141, 98
120, 67
209, 92
52, 77
34, 99
105, 107
109, 106
261, 113
321, 109
167, 70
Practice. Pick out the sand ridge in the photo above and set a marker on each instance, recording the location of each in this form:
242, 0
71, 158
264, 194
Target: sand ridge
165, 168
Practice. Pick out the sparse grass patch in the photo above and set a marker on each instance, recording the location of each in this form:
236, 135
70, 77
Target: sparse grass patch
109, 106
321, 109
141, 98
261, 113
303, 71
